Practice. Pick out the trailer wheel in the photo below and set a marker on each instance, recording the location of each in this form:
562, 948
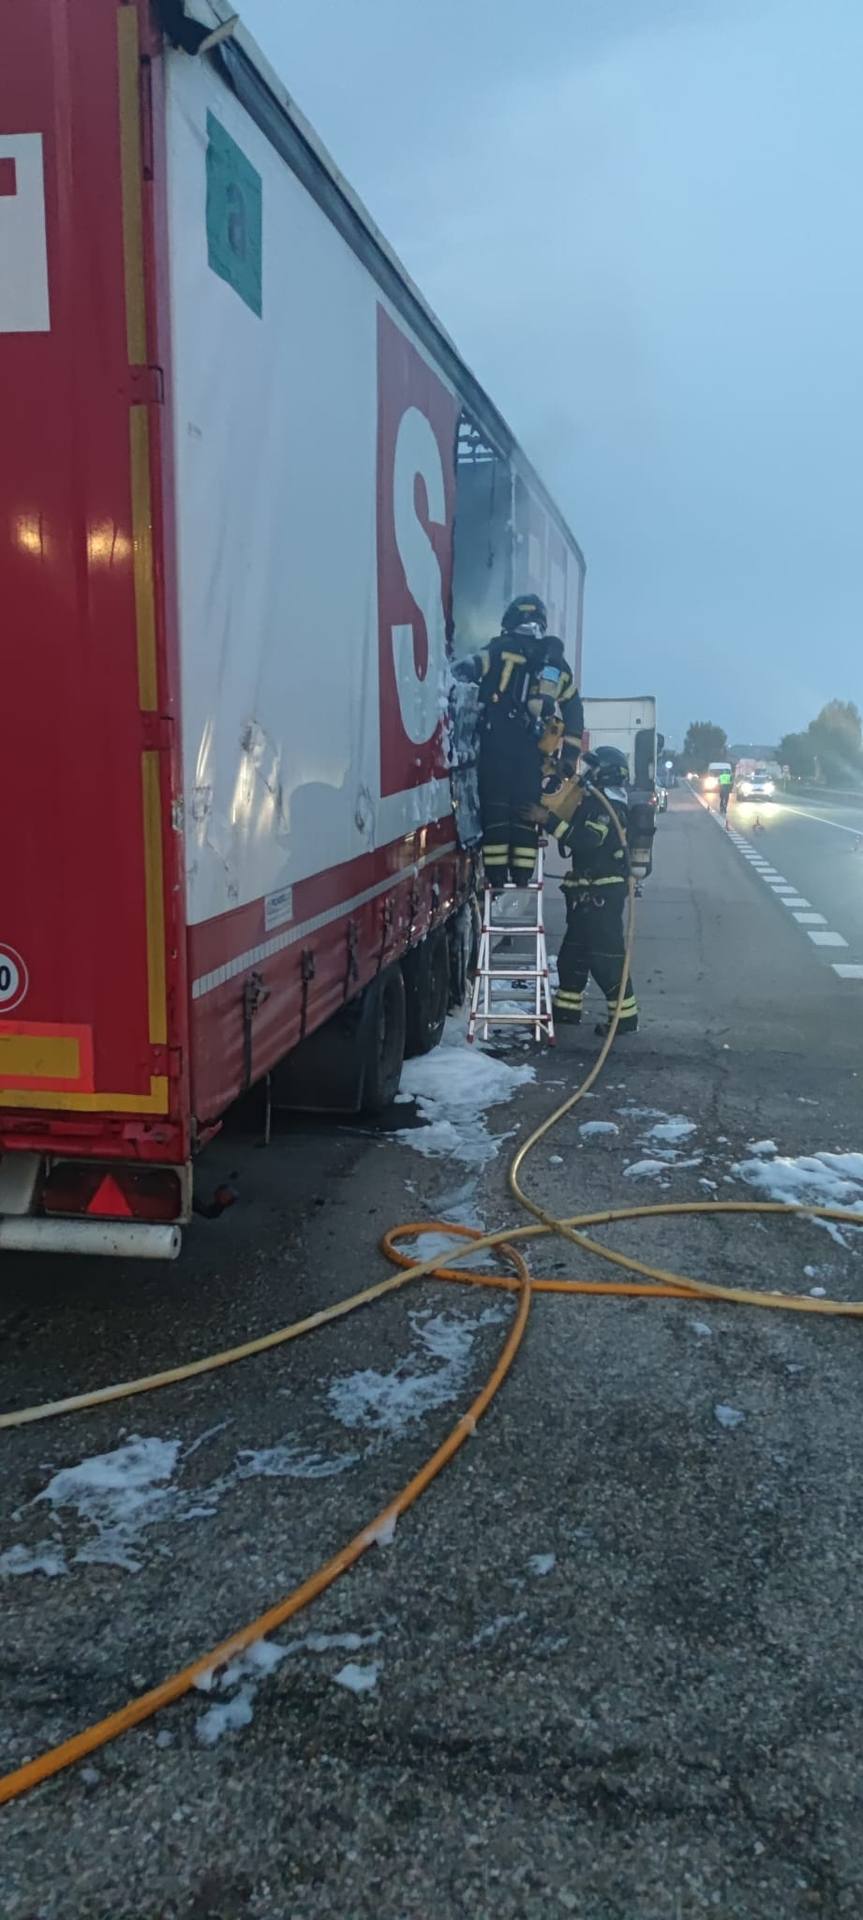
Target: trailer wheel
385, 1042
426, 970
463, 938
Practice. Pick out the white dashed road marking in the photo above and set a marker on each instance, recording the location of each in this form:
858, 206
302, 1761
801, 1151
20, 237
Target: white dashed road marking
813, 924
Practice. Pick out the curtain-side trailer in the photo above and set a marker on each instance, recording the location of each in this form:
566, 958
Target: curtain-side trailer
248, 494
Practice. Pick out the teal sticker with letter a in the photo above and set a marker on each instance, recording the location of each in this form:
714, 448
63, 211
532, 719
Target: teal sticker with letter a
234, 195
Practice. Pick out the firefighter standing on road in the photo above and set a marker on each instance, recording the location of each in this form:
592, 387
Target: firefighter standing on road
526, 690
594, 889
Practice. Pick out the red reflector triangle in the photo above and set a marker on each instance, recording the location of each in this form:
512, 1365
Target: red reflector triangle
109, 1198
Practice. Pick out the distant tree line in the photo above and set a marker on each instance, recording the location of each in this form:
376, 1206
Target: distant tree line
830, 750
704, 742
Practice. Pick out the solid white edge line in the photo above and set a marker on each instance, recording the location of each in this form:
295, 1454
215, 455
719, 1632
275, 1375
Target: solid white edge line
839, 826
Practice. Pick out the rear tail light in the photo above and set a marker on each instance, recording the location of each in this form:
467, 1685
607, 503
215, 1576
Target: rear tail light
106, 1192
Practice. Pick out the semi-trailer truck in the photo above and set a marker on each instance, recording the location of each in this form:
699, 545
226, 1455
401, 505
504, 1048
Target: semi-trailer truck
250, 499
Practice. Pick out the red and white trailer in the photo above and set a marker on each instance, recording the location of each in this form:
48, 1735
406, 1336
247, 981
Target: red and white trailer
250, 499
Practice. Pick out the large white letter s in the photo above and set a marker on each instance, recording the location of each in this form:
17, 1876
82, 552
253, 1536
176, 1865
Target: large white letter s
421, 700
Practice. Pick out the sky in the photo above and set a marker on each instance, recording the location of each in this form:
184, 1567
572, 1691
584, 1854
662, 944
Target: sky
640, 222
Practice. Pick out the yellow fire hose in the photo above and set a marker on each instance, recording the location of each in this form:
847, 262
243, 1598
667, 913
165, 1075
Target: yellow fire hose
653, 1281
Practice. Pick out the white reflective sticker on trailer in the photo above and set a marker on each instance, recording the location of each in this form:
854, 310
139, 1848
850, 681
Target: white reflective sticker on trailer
14, 979
24, 304
278, 908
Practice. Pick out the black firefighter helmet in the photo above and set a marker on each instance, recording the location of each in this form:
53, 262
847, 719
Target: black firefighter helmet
526, 615
609, 767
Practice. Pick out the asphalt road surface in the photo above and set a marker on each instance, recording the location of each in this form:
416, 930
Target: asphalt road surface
610, 1665
814, 848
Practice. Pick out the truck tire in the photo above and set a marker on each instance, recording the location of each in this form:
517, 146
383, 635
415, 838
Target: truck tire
384, 1020
463, 937
426, 970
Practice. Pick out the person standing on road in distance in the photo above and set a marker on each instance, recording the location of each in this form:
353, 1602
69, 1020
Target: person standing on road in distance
595, 894
525, 689
726, 781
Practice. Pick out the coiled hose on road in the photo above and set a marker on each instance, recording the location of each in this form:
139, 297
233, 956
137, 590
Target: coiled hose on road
652, 1282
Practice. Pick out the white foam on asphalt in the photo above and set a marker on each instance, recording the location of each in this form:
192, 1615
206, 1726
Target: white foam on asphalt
728, 1417
454, 1087
486, 1636
384, 1532
255, 1665
391, 1403
226, 1716
819, 1180
671, 1130
116, 1495
291, 1461
261, 1658
46, 1557
358, 1679
115, 1498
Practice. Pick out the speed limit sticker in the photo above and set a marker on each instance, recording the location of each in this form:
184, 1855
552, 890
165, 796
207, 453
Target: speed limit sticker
14, 979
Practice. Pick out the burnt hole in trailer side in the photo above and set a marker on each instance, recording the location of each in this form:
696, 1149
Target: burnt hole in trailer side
482, 540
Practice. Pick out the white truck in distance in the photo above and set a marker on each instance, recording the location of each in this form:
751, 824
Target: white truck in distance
630, 724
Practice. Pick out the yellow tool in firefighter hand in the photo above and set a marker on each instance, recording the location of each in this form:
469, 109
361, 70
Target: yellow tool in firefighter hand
561, 802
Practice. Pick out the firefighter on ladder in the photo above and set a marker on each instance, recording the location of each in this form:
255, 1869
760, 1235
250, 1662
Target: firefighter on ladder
594, 889
526, 690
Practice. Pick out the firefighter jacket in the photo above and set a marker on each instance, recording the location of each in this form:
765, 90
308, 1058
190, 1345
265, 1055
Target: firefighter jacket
521, 683
579, 822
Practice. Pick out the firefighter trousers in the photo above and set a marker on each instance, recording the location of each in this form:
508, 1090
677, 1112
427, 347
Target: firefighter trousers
594, 944
510, 783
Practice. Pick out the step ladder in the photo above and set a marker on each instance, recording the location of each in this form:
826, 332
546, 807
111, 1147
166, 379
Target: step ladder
537, 1011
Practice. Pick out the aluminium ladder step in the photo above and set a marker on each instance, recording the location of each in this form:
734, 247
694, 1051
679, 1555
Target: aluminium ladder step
483, 1012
